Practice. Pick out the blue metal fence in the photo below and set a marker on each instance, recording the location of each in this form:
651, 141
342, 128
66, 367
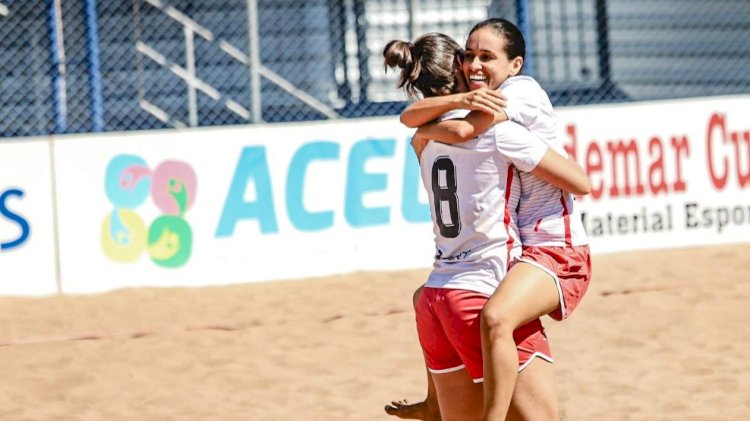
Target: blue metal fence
88, 65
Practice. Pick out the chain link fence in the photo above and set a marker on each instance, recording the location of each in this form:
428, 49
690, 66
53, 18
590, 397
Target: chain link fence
25, 85
89, 66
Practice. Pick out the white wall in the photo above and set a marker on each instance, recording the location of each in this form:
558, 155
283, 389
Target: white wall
298, 200
27, 244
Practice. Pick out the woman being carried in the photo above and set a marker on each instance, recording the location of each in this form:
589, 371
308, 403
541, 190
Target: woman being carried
553, 272
420, 72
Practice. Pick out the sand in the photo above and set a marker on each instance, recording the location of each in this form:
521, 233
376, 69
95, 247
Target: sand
665, 340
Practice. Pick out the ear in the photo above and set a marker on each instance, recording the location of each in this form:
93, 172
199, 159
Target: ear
461, 84
515, 66
458, 60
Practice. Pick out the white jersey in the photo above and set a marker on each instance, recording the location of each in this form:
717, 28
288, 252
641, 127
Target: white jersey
471, 199
547, 216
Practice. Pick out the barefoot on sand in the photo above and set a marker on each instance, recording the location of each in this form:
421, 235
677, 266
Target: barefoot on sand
413, 411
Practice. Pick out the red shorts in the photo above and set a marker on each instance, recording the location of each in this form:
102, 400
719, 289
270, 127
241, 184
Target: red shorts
571, 269
448, 327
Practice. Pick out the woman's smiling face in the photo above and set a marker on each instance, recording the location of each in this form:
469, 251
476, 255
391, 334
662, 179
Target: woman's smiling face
486, 63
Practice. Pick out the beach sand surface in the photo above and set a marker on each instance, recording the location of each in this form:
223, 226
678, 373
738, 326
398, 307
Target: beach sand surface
660, 335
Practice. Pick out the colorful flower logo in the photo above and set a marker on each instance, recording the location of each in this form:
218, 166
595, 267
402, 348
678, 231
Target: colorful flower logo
172, 187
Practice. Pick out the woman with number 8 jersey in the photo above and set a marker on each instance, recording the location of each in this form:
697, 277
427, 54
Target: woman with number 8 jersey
473, 195
553, 272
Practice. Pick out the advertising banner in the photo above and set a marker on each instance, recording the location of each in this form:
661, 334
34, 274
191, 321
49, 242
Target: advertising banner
255, 203
240, 204
663, 174
27, 243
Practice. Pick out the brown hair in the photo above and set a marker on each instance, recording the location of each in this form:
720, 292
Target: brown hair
426, 65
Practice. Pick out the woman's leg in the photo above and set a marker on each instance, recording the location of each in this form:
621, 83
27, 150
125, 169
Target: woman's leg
426, 410
459, 397
535, 396
525, 294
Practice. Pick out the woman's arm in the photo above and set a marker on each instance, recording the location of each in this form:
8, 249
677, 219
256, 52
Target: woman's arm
454, 131
428, 109
563, 173
461, 130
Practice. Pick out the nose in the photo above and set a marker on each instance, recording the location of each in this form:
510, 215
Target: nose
474, 64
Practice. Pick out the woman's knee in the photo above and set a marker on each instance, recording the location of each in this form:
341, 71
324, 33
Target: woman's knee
496, 321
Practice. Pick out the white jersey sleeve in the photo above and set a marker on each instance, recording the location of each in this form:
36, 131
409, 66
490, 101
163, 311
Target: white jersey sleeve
454, 114
529, 106
518, 145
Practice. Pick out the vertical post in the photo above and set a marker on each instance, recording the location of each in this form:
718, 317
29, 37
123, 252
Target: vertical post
190, 63
413, 5
602, 42
337, 13
581, 42
567, 66
522, 12
360, 27
55, 216
57, 53
254, 60
95, 74
549, 69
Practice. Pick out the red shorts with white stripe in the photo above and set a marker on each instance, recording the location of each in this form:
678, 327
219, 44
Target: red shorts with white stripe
448, 327
571, 269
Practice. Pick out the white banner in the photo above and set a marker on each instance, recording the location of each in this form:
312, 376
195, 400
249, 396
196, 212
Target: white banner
243, 204
664, 174
253, 203
27, 244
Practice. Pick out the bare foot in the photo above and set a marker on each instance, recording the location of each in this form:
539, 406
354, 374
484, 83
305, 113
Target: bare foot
415, 411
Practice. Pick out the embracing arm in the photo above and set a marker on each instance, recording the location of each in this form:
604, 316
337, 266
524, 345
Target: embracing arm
428, 109
563, 173
462, 129
453, 131
528, 153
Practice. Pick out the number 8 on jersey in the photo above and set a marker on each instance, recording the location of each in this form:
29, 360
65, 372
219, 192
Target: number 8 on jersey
445, 199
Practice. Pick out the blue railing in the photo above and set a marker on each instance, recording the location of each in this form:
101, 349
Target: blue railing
95, 76
57, 67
